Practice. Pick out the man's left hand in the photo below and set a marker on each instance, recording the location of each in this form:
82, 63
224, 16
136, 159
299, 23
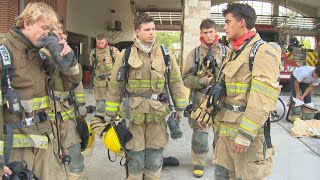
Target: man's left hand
179, 116
238, 148
66, 48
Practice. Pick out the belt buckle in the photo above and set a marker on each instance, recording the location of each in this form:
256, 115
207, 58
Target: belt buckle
236, 108
28, 121
154, 97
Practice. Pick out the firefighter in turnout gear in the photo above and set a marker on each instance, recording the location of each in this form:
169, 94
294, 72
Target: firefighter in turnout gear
30, 135
200, 71
101, 59
141, 106
68, 108
243, 149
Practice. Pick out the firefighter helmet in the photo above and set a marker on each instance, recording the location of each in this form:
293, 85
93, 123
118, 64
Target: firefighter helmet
112, 141
87, 151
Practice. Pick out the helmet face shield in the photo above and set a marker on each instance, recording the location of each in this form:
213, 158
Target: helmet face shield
90, 143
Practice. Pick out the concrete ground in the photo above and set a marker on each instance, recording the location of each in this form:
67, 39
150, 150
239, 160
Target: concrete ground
295, 159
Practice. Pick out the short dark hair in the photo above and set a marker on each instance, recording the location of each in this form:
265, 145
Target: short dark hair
100, 36
318, 70
141, 19
242, 11
60, 18
207, 24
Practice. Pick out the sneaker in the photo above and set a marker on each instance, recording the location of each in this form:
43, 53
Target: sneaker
170, 161
198, 171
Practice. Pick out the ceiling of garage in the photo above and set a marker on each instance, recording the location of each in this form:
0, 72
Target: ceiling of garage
158, 5
167, 13
176, 5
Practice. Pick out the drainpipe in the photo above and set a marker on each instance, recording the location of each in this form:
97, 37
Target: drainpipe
21, 6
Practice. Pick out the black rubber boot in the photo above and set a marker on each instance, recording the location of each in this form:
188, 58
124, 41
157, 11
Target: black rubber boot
170, 161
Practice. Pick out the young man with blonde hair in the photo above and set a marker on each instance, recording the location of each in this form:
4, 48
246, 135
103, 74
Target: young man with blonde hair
34, 138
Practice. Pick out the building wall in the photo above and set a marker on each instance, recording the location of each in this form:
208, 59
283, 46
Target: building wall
9, 9
194, 11
93, 17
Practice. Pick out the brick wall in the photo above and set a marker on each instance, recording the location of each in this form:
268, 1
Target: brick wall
9, 9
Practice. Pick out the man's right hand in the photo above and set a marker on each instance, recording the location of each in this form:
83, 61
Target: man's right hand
99, 126
205, 80
6, 171
216, 91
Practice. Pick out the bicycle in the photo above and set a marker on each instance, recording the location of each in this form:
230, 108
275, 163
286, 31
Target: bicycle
279, 112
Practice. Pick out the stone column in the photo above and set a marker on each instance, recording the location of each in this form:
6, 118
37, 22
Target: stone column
194, 11
275, 11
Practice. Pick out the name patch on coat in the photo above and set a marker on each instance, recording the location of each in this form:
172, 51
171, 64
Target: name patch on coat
270, 53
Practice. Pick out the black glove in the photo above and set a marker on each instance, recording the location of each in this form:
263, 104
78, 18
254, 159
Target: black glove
215, 93
173, 124
51, 42
20, 171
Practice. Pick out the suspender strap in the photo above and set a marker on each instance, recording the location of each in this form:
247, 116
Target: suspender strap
196, 63
112, 54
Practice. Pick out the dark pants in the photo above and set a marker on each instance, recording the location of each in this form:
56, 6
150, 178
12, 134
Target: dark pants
302, 87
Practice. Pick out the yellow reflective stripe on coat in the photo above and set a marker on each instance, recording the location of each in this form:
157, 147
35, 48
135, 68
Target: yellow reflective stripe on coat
105, 67
146, 83
234, 87
116, 84
80, 98
233, 132
112, 106
1, 148
175, 79
99, 83
23, 140
249, 125
265, 89
40, 103
109, 67
66, 115
181, 103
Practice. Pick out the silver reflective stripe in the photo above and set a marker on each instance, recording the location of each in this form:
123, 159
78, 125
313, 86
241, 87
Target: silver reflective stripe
255, 47
5, 55
165, 50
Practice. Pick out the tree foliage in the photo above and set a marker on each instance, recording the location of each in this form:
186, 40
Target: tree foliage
167, 38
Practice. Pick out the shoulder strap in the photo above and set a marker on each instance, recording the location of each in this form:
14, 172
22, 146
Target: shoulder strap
124, 72
224, 51
95, 52
253, 52
112, 54
7, 68
167, 60
196, 58
166, 56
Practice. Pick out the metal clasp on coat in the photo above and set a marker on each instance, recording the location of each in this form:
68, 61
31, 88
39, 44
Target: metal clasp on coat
154, 97
236, 108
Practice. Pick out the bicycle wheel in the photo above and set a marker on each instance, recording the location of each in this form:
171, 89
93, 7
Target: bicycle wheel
280, 111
